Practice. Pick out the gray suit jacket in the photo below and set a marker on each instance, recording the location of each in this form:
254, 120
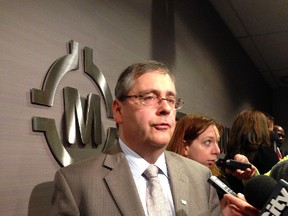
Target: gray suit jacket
104, 186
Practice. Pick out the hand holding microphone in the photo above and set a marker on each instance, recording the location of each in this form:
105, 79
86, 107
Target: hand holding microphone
239, 167
238, 206
232, 204
264, 196
264, 193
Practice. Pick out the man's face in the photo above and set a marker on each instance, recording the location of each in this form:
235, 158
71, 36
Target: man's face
280, 131
144, 128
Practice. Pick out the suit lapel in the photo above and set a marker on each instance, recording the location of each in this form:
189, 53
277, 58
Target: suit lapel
121, 183
178, 181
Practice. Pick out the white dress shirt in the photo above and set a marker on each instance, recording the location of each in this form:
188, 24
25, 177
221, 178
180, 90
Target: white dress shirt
138, 165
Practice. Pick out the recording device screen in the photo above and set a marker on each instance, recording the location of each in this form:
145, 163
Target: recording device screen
232, 164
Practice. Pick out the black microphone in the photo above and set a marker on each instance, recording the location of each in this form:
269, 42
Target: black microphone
275, 142
274, 136
232, 164
265, 194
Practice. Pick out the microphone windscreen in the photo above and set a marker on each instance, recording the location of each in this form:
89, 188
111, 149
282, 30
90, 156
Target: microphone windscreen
280, 171
258, 190
274, 136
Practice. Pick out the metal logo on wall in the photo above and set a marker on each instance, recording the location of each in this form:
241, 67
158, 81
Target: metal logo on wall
74, 119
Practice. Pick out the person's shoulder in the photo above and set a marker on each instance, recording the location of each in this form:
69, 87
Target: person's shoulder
94, 161
85, 164
182, 167
267, 154
181, 158
186, 163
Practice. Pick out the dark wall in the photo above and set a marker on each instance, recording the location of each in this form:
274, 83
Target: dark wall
280, 111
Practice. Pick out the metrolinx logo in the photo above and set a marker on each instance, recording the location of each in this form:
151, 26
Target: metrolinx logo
74, 115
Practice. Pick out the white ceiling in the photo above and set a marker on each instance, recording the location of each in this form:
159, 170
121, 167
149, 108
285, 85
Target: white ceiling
261, 27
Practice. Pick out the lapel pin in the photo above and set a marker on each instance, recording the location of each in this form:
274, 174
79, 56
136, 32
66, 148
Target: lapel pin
184, 202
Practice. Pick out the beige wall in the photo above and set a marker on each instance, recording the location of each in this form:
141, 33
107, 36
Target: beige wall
213, 75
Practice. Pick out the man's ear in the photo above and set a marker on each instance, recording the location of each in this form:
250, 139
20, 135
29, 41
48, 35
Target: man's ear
117, 111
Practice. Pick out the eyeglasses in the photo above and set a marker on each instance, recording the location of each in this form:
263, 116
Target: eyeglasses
153, 100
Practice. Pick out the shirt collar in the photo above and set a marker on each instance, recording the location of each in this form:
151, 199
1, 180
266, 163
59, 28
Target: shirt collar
138, 165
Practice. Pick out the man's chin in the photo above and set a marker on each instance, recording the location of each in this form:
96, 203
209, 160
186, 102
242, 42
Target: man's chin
161, 144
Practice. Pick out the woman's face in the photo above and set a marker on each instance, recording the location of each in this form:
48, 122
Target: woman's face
204, 149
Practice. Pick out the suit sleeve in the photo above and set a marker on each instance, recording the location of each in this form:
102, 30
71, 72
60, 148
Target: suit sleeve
63, 202
214, 201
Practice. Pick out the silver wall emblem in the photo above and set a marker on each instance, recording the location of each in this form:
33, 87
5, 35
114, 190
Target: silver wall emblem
88, 125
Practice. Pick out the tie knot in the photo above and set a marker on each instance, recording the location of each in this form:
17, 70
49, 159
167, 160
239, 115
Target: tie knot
151, 172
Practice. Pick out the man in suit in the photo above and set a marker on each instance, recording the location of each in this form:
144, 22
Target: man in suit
112, 182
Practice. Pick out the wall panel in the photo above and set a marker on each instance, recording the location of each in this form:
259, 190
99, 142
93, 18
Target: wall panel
213, 75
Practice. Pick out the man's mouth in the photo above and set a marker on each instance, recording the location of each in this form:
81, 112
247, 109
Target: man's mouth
162, 126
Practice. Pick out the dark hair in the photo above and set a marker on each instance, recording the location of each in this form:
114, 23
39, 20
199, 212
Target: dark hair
128, 77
